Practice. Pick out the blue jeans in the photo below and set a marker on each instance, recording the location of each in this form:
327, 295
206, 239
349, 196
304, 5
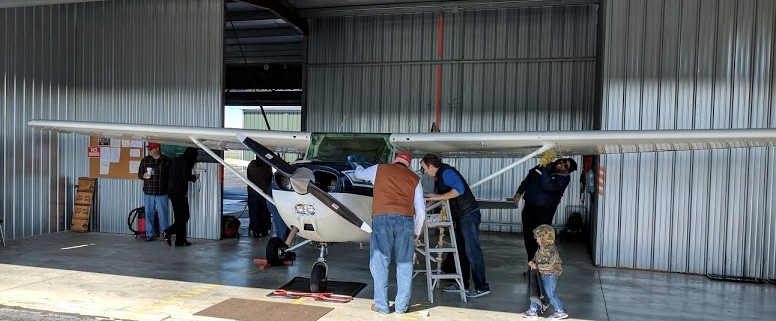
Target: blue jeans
392, 234
549, 282
470, 229
154, 204
277, 221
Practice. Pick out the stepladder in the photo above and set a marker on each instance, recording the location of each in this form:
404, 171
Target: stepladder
439, 240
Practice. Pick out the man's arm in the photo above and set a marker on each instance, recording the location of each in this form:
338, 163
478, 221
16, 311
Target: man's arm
141, 171
452, 180
420, 210
367, 174
536, 171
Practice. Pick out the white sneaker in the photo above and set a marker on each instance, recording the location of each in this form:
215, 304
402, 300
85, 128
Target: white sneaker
477, 293
530, 314
558, 315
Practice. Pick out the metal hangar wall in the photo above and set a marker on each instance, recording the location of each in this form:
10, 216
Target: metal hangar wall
689, 65
527, 68
147, 61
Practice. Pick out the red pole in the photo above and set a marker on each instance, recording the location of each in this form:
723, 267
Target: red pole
440, 37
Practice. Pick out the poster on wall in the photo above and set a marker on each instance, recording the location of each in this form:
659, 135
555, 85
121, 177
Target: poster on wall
93, 151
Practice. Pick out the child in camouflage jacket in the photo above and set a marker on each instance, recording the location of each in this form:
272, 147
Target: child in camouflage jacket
548, 262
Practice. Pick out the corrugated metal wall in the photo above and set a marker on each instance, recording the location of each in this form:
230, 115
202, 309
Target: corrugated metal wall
141, 61
689, 64
505, 69
280, 118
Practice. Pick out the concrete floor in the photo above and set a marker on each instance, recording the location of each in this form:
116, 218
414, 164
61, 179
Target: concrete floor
117, 276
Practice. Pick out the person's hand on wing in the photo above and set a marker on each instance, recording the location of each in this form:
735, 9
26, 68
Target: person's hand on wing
516, 198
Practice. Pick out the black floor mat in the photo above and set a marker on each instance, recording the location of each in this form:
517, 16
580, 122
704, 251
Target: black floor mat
300, 284
718, 277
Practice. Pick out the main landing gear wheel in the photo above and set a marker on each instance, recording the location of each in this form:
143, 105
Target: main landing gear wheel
276, 249
318, 277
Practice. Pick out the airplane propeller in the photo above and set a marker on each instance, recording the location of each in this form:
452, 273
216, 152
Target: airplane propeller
302, 181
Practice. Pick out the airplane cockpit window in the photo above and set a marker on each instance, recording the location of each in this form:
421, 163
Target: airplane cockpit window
336, 147
325, 180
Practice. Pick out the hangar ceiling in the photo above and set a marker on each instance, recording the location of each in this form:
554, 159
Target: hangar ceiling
264, 43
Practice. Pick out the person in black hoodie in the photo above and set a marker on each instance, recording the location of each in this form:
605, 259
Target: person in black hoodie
259, 173
178, 188
542, 190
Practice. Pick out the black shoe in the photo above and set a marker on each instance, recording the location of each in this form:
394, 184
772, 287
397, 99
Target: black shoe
166, 237
149, 239
187, 243
290, 256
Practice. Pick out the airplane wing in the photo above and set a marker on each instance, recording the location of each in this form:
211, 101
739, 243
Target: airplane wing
214, 138
493, 144
484, 144
590, 142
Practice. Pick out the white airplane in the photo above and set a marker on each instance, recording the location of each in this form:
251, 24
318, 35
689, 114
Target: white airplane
320, 199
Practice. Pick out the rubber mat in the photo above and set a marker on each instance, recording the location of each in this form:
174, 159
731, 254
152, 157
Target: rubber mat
300, 284
255, 310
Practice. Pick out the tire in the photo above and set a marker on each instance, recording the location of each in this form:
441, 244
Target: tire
318, 278
275, 249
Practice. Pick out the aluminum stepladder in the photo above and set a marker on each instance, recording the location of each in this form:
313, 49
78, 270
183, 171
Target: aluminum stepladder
434, 254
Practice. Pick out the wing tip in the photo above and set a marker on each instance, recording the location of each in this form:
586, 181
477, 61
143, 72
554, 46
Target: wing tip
366, 227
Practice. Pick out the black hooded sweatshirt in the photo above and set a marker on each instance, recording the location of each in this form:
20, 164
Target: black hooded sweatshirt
180, 172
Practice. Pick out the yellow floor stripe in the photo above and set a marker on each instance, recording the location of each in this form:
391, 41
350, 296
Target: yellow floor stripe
177, 298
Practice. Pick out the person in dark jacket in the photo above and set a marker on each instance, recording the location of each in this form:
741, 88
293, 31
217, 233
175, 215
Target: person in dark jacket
449, 184
542, 190
259, 173
178, 189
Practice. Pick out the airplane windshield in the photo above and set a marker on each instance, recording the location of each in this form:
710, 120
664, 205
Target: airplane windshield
336, 147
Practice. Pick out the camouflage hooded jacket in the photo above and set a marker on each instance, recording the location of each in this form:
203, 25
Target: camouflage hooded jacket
547, 257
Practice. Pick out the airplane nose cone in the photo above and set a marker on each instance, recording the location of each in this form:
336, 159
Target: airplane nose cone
301, 178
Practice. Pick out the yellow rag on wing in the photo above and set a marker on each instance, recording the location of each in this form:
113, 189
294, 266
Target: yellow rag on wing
547, 158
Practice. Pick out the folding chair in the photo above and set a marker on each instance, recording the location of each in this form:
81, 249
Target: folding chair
2, 234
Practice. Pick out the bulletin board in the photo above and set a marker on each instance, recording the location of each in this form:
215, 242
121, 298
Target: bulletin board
124, 161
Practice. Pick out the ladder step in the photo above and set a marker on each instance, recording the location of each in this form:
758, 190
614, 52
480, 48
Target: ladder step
434, 275
437, 224
445, 276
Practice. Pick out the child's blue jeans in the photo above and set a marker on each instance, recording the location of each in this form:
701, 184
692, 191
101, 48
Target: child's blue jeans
549, 282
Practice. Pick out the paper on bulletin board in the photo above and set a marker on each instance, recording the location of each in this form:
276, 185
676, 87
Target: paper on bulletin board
115, 155
125, 143
115, 143
133, 166
104, 155
134, 152
136, 144
104, 167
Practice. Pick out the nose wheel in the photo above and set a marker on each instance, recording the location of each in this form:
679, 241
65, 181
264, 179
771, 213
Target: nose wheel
320, 273
318, 277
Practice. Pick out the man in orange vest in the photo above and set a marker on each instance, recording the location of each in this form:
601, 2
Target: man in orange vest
398, 211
